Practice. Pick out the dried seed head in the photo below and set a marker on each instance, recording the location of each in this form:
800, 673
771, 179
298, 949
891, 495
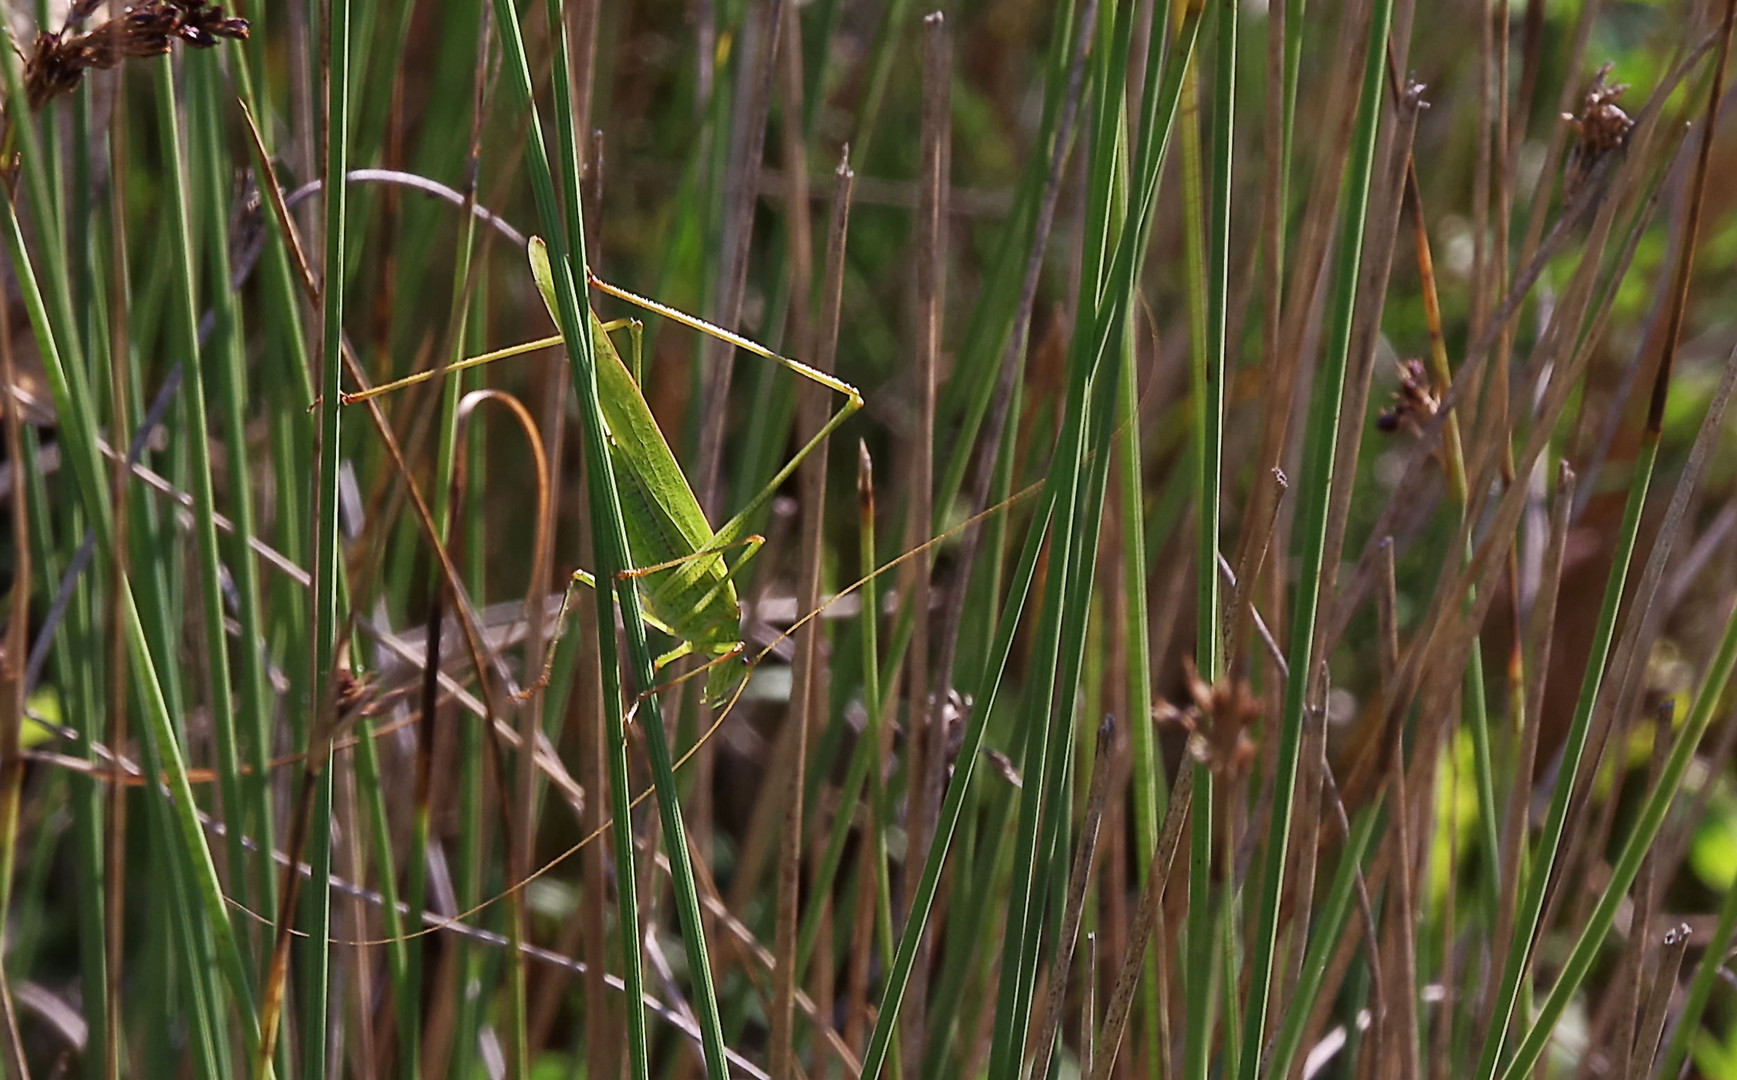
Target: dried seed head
58, 61
1602, 127
351, 693
1415, 402
1217, 718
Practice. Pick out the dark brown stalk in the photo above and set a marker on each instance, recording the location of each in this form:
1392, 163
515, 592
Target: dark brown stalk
1115, 891
1104, 765
1400, 942
1386, 612
1530, 62
1307, 268
1559, 132
582, 21
12, 698
1242, 608
1539, 634
1691, 228
1272, 250
350, 846
1089, 1007
1376, 266
1447, 604
603, 1024
989, 447
1594, 195
748, 149
1121, 1003
1645, 896
1640, 631
1138, 58
1652, 1022
1307, 859
556, 372
305, 108
825, 958
1480, 285
807, 672
1674, 314
862, 955
1378, 1028
277, 975
1497, 424
799, 217
927, 738
761, 30
1493, 416
806, 676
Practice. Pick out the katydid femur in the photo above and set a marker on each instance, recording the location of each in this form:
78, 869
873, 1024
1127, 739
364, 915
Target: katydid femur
680, 563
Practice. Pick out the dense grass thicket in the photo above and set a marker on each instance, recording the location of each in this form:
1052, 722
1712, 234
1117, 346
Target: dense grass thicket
1272, 616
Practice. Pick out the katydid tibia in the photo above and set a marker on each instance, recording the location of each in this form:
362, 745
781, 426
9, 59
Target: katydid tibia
685, 569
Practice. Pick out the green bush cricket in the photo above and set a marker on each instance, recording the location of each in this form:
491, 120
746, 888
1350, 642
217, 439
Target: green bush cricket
687, 583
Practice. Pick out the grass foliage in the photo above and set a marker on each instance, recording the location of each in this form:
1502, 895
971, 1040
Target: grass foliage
1272, 618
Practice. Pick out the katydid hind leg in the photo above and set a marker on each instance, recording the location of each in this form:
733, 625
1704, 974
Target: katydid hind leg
853, 398
736, 524
752, 542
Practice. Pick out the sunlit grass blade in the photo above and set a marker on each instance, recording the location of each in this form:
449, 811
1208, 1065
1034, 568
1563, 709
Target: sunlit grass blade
1316, 488
612, 556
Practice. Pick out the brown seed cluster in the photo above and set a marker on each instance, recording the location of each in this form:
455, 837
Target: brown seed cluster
351, 692
1217, 720
1414, 403
1602, 128
59, 60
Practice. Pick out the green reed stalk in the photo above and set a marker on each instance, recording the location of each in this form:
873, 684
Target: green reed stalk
316, 900
1317, 485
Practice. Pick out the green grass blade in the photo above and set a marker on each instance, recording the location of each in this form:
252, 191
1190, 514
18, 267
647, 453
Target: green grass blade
198, 439
612, 556
79, 443
316, 897
1317, 485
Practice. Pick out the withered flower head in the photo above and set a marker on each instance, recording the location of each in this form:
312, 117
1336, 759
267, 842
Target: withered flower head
1602, 127
1217, 719
58, 61
351, 692
1414, 403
